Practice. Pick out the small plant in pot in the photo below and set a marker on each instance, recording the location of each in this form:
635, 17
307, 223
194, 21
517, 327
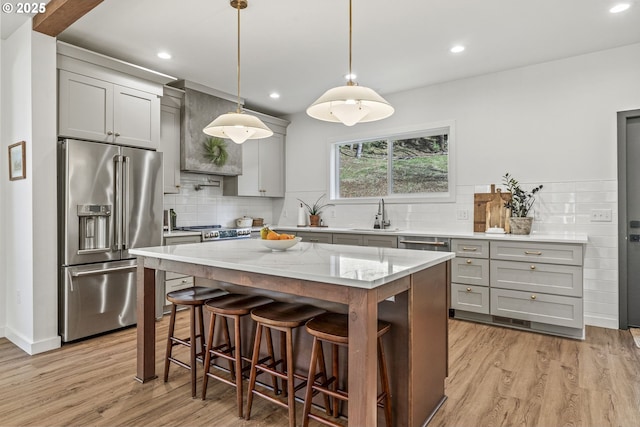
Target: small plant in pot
315, 210
520, 204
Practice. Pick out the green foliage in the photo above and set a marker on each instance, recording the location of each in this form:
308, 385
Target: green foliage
215, 150
317, 207
521, 201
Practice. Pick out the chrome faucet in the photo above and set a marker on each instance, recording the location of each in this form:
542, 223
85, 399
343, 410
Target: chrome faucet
381, 220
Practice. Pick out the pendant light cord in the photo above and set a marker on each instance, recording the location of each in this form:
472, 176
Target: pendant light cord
350, 82
238, 110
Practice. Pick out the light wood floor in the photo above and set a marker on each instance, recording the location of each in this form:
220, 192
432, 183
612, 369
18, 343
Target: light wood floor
498, 377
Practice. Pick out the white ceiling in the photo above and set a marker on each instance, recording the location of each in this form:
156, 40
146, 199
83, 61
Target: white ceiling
300, 48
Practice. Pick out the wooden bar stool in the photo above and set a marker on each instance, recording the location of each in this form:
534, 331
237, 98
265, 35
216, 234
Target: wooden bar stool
193, 298
334, 329
283, 317
230, 306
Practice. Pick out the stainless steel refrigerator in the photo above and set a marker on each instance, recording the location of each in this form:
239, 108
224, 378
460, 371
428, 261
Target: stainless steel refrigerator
109, 200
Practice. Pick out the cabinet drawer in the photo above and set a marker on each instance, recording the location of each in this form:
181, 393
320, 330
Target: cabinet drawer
347, 239
470, 271
551, 253
470, 248
380, 241
177, 284
170, 275
178, 240
537, 277
534, 307
315, 237
470, 298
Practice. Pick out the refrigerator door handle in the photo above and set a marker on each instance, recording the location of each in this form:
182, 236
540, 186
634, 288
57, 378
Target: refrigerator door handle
118, 203
100, 271
125, 198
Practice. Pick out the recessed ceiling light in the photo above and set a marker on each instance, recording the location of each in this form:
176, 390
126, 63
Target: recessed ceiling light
621, 7
457, 49
274, 95
164, 55
351, 76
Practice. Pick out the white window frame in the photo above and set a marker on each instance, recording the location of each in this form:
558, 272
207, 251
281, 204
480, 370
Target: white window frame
416, 131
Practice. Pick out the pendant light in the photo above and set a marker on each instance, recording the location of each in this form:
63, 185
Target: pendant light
238, 126
350, 104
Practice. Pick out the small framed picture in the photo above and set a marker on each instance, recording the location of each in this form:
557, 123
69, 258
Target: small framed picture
17, 161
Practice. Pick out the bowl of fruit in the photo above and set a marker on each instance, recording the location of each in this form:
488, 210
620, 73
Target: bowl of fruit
278, 241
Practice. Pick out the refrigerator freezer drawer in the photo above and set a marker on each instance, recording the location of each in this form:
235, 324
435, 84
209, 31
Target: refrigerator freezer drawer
97, 298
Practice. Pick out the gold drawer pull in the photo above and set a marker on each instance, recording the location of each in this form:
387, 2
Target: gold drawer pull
533, 297
464, 248
533, 267
468, 261
468, 289
532, 253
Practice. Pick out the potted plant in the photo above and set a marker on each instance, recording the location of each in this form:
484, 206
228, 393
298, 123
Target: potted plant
315, 210
520, 204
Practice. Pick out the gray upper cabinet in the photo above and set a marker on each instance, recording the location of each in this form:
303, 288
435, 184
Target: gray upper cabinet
170, 138
95, 109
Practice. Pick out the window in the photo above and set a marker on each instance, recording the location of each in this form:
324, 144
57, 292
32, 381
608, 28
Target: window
414, 165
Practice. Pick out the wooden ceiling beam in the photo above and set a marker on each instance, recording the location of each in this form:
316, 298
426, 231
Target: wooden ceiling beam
60, 14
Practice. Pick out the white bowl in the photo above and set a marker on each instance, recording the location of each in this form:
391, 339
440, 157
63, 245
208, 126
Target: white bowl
280, 245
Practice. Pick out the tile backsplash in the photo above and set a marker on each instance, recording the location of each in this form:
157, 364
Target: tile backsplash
207, 206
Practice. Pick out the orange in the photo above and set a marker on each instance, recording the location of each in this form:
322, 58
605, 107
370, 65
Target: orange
272, 235
286, 237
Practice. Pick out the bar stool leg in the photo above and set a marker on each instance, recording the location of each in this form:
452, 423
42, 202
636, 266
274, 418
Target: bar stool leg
312, 373
192, 347
207, 357
238, 362
384, 379
227, 340
172, 326
254, 371
271, 354
335, 371
291, 398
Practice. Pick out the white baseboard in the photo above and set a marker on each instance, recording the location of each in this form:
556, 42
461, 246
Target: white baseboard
32, 348
602, 322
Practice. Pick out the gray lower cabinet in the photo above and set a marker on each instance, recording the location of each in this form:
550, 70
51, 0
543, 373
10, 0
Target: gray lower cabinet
352, 239
311, 237
528, 285
169, 280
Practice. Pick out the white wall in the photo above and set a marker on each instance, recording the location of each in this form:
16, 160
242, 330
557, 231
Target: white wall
3, 172
28, 206
551, 124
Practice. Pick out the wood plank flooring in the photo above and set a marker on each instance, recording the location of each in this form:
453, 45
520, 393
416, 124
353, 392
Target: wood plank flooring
498, 377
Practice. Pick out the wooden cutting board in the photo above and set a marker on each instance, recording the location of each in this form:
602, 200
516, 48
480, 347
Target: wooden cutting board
489, 210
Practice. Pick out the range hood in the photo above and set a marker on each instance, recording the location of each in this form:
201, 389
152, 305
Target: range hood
201, 105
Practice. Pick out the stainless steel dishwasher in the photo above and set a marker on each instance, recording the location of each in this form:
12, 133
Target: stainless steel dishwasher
429, 243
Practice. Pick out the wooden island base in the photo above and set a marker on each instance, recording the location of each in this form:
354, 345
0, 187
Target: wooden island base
416, 346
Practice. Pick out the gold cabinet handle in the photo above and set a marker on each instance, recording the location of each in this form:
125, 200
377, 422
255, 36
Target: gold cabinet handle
533, 267
468, 261
464, 248
532, 253
533, 297
468, 289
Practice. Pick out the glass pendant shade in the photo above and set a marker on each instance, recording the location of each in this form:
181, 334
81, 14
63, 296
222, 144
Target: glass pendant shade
349, 105
238, 127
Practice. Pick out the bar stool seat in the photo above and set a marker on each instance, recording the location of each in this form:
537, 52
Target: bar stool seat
333, 328
194, 298
230, 306
283, 317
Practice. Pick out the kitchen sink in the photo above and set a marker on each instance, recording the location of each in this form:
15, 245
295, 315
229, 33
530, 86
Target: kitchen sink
377, 230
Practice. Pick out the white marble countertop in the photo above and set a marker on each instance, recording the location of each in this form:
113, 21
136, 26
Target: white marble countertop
177, 233
533, 237
356, 266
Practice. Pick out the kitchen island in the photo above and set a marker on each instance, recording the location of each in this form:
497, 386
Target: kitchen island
404, 287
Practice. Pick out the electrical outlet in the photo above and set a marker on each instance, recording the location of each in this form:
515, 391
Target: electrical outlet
284, 213
600, 215
18, 297
333, 213
462, 214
